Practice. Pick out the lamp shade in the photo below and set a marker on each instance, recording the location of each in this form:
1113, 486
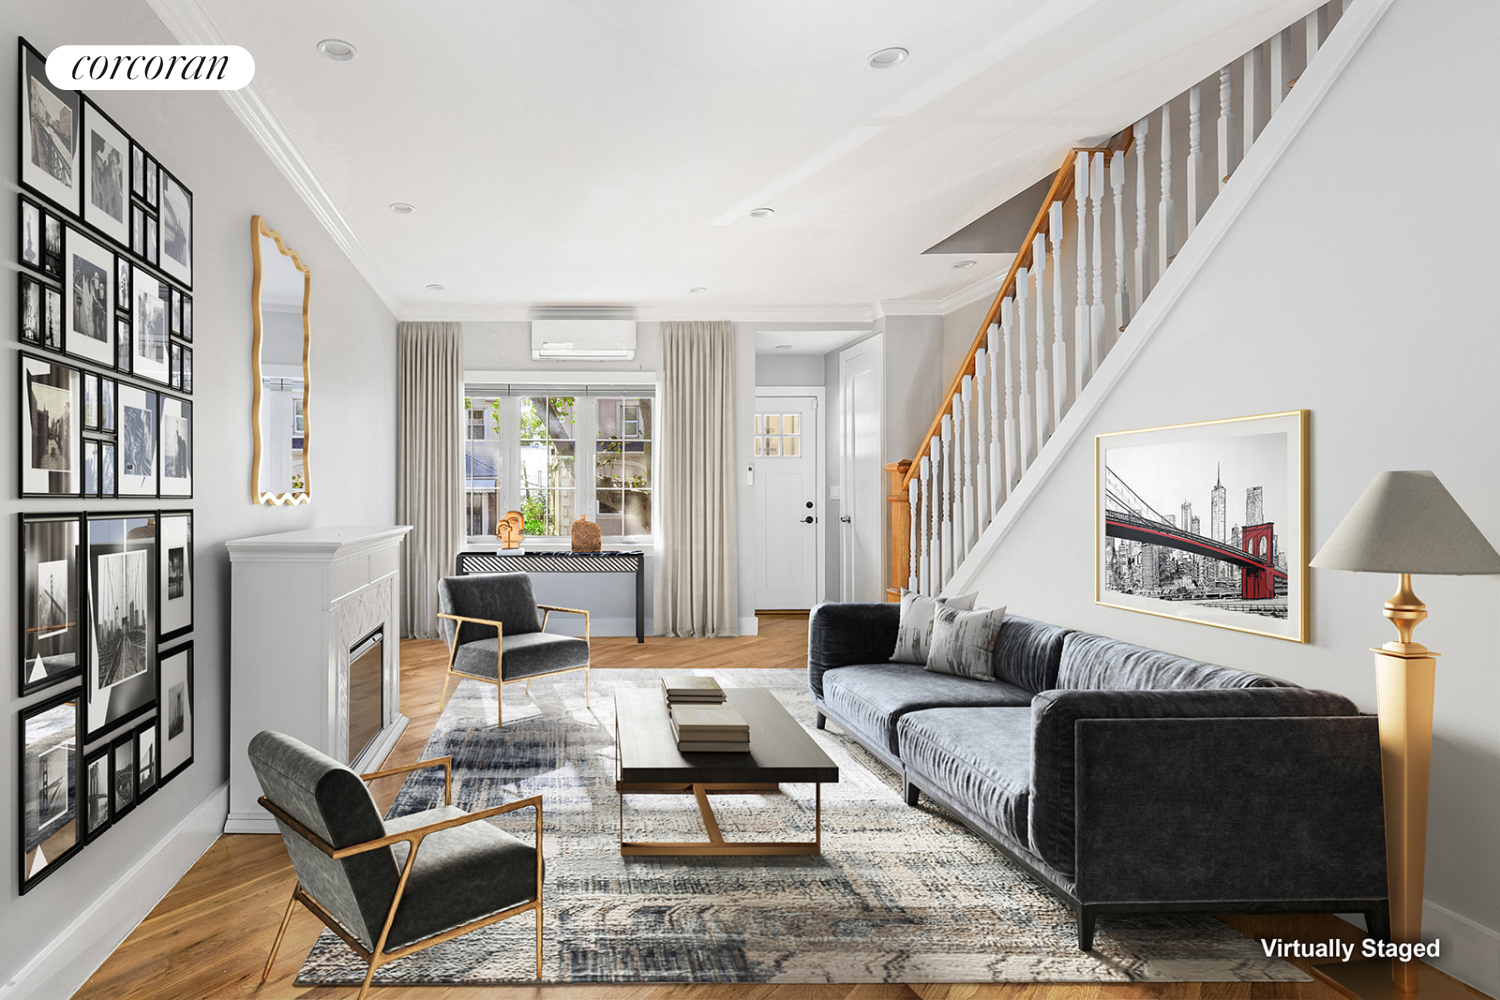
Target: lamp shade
1406, 522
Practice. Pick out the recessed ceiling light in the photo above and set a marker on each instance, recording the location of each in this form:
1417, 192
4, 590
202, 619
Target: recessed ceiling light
337, 49
959, 265
697, 290
435, 287
762, 213
886, 58
402, 208
783, 347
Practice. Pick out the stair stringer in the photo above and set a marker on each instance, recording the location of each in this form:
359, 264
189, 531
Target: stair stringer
1296, 110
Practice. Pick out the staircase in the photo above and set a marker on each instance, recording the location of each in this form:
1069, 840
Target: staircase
1113, 221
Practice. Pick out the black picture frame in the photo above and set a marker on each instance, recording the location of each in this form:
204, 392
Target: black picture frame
187, 318
138, 231
90, 401
121, 682
52, 238
49, 749
175, 695
32, 311
122, 344
175, 210
137, 423
50, 455
53, 338
90, 467
137, 170
187, 370
104, 199
175, 574
174, 442
176, 366
29, 234
50, 125
106, 404
50, 595
147, 764
153, 180
107, 475
152, 247
94, 797
122, 773
89, 275
176, 313
122, 283
150, 309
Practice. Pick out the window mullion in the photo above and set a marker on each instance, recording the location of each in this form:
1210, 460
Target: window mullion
585, 426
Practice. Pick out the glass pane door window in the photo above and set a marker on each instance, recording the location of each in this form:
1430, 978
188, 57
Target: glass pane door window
549, 446
778, 435
622, 465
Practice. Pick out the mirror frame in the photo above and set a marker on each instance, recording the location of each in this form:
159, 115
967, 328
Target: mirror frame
258, 229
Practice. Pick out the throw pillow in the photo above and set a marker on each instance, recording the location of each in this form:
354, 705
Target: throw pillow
914, 638
963, 642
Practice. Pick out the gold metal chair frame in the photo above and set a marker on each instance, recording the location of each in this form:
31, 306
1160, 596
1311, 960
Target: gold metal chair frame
379, 956
499, 679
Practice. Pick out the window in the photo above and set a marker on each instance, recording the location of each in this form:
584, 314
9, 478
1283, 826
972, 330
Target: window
554, 454
778, 435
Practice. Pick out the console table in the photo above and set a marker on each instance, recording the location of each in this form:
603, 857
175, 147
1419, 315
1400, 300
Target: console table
632, 561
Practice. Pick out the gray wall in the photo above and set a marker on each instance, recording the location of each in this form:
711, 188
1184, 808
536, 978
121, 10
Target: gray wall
352, 419
1299, 307
789, 369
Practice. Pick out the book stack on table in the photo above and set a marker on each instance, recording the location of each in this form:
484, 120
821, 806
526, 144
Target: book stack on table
709, 728
692, 691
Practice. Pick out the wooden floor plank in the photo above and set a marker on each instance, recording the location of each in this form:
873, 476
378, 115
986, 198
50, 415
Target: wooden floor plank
210, 935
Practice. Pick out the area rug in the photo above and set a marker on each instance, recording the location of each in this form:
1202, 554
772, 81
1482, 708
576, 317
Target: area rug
899, 894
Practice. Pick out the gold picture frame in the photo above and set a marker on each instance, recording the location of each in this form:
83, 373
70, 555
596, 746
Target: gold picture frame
1237, 567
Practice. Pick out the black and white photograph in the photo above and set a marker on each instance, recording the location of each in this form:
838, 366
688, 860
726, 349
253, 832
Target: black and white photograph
151, 181
187, 369
122, 283
122, 763
122, 344
50, 600
147, 767
91, 296
96, 793
176, 697
176, 324
174, 546
90, 468
175, 378
137, 171
176, 229
106, 404
120, 682
136, 435
105, 199
90, 401
29, 249
148, 326
176, 443
51, 401
1206, 522
151, 245
52, 315
138, 231
31, 311
49, 133
187, 320
50, 746
52, 244
106, 469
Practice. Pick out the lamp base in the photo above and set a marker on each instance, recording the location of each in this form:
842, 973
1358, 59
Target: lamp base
1372, 979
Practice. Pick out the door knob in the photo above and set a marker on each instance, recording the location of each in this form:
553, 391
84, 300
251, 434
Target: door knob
808, 519
809, 505
847, 519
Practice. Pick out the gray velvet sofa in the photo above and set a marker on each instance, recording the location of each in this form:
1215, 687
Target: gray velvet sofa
1124, 778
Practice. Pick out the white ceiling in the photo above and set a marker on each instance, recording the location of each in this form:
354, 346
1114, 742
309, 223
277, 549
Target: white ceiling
608, 152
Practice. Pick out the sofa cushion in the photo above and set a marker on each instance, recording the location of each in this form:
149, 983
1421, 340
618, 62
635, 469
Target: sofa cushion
914, 638
963, 642
526, 655
843, 634
1097, 663
1028, 653
978, 759
872, 698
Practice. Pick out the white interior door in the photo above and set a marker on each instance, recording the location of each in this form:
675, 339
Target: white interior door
861, 401
788, 503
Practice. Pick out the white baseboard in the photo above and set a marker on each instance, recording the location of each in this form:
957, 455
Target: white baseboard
566, 625
68, 960
750, 626
1470, 951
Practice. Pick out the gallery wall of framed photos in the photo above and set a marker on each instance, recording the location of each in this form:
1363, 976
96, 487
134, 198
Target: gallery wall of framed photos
105, 370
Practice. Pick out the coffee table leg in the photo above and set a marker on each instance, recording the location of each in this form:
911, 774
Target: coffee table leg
710, 822
715, 844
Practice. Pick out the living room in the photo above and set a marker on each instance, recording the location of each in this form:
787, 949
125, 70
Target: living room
1281, 298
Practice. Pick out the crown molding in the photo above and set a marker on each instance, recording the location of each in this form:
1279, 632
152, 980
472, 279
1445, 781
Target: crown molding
736, 312
191, 25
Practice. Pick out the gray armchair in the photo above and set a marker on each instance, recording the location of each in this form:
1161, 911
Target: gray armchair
391, 888
490, 623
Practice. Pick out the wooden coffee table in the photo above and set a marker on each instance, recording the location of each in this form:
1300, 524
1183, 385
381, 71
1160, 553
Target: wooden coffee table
648, 762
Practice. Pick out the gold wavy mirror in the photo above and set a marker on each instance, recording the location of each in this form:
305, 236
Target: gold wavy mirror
279, 296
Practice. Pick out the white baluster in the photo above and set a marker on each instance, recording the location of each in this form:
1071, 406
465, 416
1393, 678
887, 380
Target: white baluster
1195, 159
1060, 401
1251, 86
968, 441
1024, 411
1012, 445
960, 470
1167, 215
1043, 380
1226, 127
998, 482
1117, 192
924, 569
947, 530
1081, 304
1315, 29
982, 509
1142, 251
1096, 290
1281, 47
913, 501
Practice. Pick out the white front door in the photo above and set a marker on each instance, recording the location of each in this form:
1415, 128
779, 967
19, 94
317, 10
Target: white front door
787, 503
861, 507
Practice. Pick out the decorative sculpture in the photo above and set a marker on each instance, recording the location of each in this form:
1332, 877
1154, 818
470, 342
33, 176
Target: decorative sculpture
511, 530
586, 535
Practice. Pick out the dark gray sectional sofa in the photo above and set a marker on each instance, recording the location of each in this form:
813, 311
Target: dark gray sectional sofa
1124, 778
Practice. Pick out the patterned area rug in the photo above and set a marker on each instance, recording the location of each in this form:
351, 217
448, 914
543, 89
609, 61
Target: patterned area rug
898, 894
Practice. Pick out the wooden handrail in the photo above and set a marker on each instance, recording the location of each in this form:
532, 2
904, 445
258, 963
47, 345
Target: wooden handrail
1062, 186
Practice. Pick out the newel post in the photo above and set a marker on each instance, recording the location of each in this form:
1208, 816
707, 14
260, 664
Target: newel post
899, 505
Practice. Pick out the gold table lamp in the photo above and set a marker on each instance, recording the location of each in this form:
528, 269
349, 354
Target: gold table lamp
1404, 523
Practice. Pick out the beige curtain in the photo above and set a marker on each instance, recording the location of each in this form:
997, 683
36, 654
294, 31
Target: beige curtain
429, 465
697, 583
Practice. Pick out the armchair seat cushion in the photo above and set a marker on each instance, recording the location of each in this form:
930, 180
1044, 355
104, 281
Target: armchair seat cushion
874, 697
527, 655
461, 874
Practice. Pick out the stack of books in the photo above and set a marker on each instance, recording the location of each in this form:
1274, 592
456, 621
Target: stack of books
709, 728
692, 691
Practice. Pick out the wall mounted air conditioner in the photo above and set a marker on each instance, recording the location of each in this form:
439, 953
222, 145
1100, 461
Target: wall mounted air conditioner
583, 339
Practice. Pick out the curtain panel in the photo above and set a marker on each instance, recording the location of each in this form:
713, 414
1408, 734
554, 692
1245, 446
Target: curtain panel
697, 581
429, 465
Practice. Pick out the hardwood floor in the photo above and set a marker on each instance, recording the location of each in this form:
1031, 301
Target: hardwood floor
210, 936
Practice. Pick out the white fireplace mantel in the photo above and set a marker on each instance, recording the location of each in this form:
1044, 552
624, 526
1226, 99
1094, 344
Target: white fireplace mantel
300, 601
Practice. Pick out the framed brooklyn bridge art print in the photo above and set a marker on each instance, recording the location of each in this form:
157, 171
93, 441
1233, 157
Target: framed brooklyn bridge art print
1206, 522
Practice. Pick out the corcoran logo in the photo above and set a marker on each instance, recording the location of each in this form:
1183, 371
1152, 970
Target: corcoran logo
150, 67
